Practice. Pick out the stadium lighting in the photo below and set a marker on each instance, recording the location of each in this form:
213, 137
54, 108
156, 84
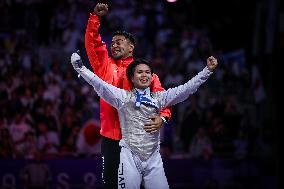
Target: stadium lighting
171, 1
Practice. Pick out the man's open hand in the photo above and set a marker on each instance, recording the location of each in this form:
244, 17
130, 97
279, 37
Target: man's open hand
155, 125
101, 9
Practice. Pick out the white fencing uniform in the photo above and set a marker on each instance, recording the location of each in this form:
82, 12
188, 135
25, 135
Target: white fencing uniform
140, 160
133, 171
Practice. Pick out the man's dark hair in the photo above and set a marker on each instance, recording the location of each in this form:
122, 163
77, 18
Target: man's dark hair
127, 35
132, 66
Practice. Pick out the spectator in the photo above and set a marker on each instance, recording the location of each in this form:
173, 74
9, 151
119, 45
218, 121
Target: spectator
48, 141
7, 150
201, 146
28, 148
36, 175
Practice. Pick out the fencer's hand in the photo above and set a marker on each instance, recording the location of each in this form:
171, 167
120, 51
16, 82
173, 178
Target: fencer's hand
212, 63
101, 9
155, 125
76, 61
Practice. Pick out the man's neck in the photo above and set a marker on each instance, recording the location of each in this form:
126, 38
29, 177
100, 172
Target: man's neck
123, 58
129, 56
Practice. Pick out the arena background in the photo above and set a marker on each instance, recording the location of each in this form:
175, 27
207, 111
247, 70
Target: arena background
224, 136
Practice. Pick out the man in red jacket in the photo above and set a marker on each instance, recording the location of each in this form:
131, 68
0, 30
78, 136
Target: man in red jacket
112, 70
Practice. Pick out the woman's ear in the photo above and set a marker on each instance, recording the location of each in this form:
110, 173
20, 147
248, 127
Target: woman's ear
132, 79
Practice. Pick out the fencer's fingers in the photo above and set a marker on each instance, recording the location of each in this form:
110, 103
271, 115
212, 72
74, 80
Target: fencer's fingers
214, 62
212, 59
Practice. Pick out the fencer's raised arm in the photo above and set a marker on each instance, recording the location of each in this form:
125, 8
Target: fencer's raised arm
113, 95
178, 94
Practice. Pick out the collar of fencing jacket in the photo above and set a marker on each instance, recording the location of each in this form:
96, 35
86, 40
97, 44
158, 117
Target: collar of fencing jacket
144, 97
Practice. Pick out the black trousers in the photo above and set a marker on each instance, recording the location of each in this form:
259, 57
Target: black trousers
110, 150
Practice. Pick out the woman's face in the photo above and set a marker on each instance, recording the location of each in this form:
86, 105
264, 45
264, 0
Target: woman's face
142, 76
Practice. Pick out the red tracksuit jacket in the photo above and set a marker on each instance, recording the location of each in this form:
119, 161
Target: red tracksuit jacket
113, 72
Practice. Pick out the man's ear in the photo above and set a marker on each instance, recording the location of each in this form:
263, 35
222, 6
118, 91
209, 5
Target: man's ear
131, 48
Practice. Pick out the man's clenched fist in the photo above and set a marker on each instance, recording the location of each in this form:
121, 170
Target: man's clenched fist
101, 9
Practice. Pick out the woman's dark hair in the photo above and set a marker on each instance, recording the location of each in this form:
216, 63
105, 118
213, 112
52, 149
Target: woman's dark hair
127, 35
132, 66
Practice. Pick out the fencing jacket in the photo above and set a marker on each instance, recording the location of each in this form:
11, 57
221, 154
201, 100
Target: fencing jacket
133, 116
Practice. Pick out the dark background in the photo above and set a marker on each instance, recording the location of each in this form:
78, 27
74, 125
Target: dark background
234, 114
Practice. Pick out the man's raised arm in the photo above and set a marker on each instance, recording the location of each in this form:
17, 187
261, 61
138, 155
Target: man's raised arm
95, 47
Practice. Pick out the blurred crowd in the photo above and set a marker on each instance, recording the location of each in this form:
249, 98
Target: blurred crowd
46, 109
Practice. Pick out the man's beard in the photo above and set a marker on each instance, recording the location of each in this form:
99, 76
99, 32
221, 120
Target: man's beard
117, 57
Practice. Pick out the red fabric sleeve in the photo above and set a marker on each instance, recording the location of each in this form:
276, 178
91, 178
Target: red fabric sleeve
155, 87
95, 47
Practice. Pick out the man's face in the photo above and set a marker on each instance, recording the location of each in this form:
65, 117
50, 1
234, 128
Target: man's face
121, 47
142, 76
